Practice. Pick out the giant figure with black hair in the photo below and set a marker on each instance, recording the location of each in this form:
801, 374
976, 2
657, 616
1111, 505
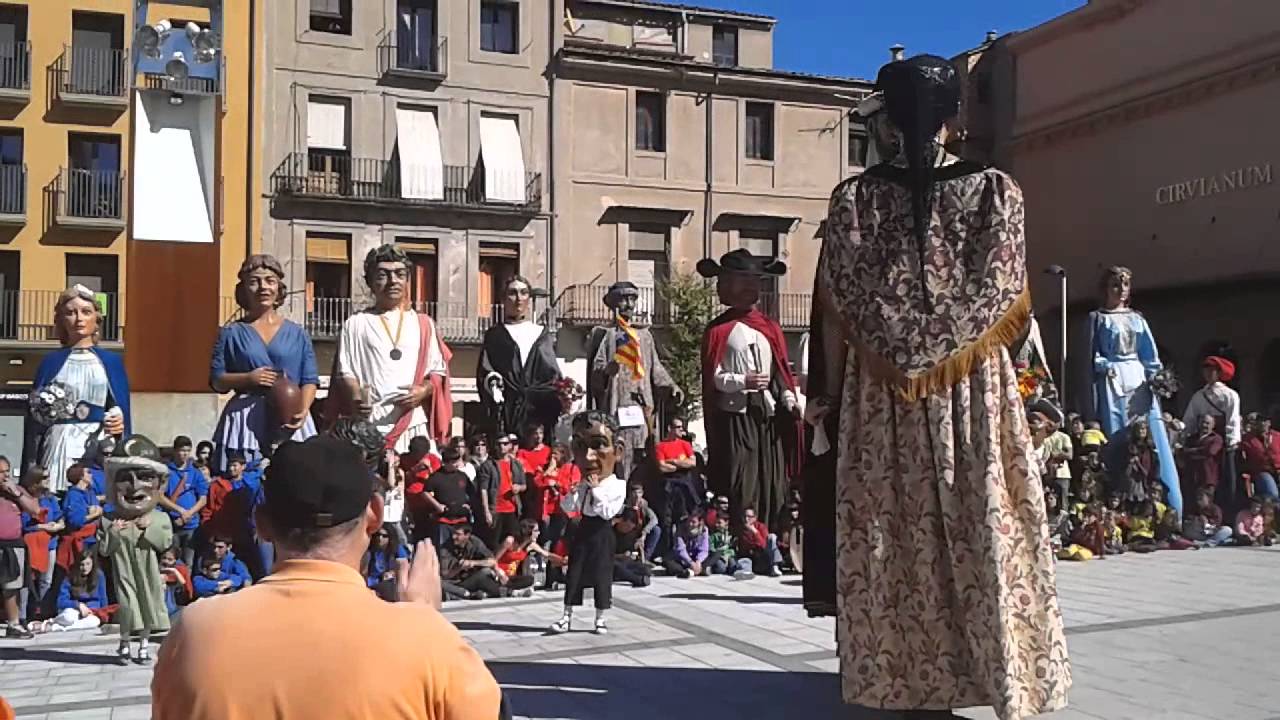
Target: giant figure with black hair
944, 582
518, 372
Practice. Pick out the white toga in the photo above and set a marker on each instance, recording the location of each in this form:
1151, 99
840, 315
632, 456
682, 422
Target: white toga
364, 354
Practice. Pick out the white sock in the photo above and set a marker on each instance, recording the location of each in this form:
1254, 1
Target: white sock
568, 613
145, 642
599, 614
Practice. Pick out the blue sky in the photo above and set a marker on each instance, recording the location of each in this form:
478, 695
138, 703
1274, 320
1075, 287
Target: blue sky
852, 37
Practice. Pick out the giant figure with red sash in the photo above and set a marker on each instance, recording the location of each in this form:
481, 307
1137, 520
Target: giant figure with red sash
749, 396
391, 366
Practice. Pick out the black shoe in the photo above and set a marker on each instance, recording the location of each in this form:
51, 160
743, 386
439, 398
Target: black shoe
17, 632
122, 655
143, 658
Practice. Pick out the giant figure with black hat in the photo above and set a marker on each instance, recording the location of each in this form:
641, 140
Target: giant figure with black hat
133, 534
748, 391
627, 374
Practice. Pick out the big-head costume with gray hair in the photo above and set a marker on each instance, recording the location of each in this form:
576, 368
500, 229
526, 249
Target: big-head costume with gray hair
135, 476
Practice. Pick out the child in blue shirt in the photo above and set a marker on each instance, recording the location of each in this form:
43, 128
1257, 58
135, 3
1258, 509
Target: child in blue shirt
220, 550
184, 497
80, 508
83, 591
49, 521
178, 588
214, 579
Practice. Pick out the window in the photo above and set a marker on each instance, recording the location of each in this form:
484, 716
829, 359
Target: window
13, 176
859, 142
500, 27
724, 45
422, 279
328, 152
651, 121
331, 16
328, 290
98, 63
648, 266
760, 131
15, 64
99, 274
416, 45
10, 284
498, 263
94, 188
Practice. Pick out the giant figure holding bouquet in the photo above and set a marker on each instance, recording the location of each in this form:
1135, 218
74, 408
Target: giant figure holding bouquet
518, 376
81, 392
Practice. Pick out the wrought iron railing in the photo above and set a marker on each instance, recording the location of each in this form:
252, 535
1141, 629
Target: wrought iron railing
460, 323
15, 66
189, 85
584, 305
101, 73
90, 195
334, 176
13, 189
27, 316
394, 56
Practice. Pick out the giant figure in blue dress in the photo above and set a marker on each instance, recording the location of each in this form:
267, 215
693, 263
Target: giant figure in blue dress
1124, 361
249, 357
96, 385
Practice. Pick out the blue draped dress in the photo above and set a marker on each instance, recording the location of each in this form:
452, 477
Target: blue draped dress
247, 424
1124, 359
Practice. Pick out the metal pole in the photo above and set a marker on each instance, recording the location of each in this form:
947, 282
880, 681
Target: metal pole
1062, 359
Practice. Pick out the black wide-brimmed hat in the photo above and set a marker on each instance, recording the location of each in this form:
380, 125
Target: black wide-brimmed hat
620, 290
741, 261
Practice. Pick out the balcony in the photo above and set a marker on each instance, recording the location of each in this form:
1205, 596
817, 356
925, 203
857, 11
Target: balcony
338, 178
15, 72
583, 306
431, 63
87, 199
13, 194
91, 77
457, 323
205, 87
26, 317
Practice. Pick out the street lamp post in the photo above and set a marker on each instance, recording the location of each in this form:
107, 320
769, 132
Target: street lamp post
1061, 273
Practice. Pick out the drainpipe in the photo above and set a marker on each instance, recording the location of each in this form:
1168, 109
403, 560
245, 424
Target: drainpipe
250, 201
710, 174
553, 70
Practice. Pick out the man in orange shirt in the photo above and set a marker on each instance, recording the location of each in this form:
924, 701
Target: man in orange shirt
311, 640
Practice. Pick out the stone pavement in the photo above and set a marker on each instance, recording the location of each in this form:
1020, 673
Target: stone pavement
1166, 636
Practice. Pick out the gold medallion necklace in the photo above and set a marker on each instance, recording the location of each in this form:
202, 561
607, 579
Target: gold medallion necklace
395, 341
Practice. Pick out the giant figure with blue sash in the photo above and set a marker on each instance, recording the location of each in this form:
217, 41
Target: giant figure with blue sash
80, 395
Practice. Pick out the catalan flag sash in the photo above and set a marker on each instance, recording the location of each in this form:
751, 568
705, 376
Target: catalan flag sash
627, 353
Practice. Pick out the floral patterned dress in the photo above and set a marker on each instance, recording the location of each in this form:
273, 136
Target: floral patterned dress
945, 580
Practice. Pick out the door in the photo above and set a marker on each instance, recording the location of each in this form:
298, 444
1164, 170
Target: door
96, 55
416, 36
93, 187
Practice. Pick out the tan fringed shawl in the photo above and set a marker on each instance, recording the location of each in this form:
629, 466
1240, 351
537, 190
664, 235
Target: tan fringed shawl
975, 274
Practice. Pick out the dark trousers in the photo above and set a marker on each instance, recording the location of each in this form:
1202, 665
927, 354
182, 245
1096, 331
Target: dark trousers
505, 524
480, 580
556, 527
630, 571
185, 540
591, 561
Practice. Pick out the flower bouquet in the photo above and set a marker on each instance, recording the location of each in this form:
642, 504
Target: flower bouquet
570, 392
1164, 384
1030, 378
51, 404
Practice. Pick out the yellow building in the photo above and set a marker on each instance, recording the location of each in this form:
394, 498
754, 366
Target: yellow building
116, 164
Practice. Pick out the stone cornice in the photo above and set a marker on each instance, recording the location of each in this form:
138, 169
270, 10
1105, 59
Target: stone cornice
1257, 68
1096, 12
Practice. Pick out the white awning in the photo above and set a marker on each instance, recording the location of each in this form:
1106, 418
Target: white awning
503, 155
172, 168
326, 125
421, 163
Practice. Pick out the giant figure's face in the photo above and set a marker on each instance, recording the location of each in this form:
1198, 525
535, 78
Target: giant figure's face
79, 318
625, 304
134, 492
739, 290
515, 301
1118, 289
389, 282
594, 449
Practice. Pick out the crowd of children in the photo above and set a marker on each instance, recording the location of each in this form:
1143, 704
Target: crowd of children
1107, 501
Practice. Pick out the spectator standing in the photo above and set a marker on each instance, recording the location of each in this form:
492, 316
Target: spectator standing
485, 489
681, 495
567, 477
1203, 455
1261, 449
320, 510
40, 535
14, 501
81, 510
1058, 452
467, 567
690, 550
184, 497
448, 496
418, 464
533, 458
511, 485
1223, 403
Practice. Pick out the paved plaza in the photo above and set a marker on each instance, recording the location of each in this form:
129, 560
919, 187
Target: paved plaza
1174, 635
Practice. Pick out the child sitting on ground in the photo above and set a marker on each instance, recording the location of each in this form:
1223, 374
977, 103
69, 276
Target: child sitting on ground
757, 548
691, 549
82, 599
1203, 524
1089, 539
721, 559
215, 580
1059, 522
1141, 532
1251, 524
1115, 521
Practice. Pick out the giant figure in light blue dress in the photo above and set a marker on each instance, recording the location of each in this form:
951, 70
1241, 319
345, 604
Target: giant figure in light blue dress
250, 353
1124, 360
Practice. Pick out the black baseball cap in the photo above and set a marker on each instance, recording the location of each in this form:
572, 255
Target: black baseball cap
318, 483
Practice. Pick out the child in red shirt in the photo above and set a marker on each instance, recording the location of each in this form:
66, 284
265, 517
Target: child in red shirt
418, 464
566, 477
533, 460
